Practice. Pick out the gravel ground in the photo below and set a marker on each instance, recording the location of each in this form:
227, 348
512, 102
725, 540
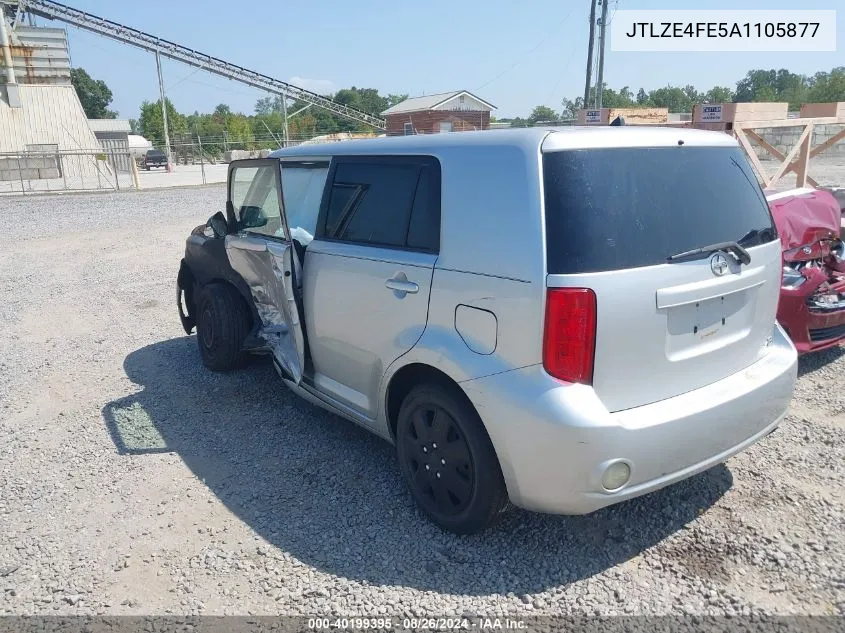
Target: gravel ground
136, 482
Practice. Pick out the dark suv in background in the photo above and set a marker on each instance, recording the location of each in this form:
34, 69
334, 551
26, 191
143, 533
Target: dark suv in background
154, 158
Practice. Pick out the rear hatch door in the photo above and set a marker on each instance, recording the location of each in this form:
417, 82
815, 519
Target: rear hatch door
614, 218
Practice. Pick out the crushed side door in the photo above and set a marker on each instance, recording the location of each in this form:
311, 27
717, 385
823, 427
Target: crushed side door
261, 252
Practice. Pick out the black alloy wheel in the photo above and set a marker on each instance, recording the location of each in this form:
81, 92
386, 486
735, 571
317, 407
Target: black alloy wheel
440, 461
223, 322
448, 461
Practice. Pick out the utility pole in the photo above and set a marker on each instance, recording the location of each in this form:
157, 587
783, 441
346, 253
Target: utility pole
164, 114
590, 47
285, 119
602, 35
202, 159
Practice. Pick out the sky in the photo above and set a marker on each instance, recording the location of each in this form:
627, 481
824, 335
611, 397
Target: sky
515, 55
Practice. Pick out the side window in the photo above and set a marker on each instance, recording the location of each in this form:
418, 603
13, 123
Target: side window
386, 201
343, 197
302, 190
379, 198
424, 228
255, 198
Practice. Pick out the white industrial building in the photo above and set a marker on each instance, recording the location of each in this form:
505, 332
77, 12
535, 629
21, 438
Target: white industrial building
45, 137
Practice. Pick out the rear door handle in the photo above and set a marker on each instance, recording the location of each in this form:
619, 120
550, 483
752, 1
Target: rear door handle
400, 283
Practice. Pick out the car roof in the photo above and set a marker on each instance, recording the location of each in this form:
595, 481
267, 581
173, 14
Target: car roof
415, 144
595, 137
547, 138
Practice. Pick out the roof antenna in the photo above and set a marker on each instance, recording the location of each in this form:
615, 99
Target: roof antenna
618, 121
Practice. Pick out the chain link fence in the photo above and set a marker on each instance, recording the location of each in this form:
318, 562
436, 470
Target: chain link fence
190, 150
45, 168
62, 170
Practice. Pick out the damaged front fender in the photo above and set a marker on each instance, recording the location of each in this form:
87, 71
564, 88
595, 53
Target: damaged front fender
185, 290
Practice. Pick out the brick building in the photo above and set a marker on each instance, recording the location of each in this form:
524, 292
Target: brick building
446, 112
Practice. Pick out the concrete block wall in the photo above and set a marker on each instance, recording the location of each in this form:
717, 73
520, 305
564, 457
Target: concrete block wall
784, 140
29, 168
243, 154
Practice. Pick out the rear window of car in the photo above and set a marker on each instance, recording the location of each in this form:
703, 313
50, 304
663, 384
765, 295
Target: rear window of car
155, 153
618, 208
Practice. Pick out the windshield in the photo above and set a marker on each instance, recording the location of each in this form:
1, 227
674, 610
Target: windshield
618, 208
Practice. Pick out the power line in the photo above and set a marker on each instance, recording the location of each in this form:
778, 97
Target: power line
184, 79
223, 88
527, 55
560, 75
615, 9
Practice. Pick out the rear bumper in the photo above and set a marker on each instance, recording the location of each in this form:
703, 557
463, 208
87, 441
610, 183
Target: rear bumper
555, 440
810, 331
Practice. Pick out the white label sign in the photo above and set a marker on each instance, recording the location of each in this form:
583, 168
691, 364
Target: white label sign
593, 116
711, 113
710, 30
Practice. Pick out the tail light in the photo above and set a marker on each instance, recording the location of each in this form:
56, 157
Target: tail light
569, 337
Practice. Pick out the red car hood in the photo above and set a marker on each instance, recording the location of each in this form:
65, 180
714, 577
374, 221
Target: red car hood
803, 217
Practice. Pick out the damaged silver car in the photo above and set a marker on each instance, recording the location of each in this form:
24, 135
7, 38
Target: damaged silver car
559, 318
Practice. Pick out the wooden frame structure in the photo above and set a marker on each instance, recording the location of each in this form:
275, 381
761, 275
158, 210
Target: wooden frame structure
742, 121
797, 160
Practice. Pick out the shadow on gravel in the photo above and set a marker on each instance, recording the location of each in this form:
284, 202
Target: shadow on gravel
329, 493
809, 363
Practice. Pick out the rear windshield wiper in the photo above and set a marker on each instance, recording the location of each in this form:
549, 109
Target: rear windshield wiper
762, 235
735, 249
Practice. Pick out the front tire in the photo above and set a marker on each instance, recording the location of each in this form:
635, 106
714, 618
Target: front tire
223, 322
448, 461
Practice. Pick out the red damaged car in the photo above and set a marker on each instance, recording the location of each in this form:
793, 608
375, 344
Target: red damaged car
812, 297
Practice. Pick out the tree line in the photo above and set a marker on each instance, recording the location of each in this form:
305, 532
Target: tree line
224, 129
758, 85
264, 127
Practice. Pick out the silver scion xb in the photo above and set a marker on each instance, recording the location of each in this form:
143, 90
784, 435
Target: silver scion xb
559, 318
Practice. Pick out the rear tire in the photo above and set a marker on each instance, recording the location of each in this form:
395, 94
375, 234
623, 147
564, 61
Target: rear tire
448, 461
223, 322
